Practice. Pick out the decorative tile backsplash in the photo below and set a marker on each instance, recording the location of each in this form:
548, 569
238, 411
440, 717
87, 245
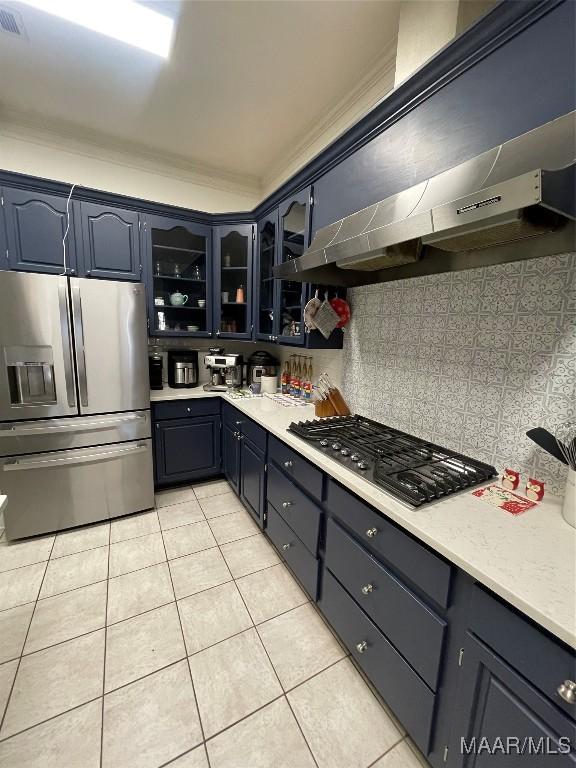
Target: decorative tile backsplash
470, 360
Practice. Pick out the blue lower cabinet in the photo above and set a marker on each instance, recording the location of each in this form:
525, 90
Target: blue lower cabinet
502, 721
253, 479
186, 449
231, 455
299, 511
297, 556
403, 690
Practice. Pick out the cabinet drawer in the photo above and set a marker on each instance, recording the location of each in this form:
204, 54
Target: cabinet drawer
417, 564
239, 421
545, 662
401, 688
185, 409
302, 563
414, 630
300, 512
297, 468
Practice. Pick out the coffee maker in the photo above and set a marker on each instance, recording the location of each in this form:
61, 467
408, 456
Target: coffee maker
182, 368
155, 370
226, 370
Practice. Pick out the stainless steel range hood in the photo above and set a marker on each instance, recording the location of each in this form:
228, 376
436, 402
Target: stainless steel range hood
515, 201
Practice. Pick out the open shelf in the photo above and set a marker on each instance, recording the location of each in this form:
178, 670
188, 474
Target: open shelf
179, 249
180, 279
179, 307
234, 269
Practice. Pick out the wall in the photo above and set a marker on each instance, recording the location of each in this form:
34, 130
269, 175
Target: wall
43, 153
328, 360
470, 360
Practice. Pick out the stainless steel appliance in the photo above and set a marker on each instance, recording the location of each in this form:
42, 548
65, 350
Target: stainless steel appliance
75, 430
260, 364
474, 214
411, 469
226, 371
182, 368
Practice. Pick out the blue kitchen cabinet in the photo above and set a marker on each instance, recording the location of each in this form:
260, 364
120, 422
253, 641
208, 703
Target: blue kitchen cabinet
39, 231
3, 240
265, 285
187, 449
294, 216
111, 244
231, 455
244, 451
186, 440
178, 261
233, 261
502, 720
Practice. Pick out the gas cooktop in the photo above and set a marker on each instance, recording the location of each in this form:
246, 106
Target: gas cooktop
408, 468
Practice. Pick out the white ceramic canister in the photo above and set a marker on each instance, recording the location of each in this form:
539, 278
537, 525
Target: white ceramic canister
569, 507
269, 384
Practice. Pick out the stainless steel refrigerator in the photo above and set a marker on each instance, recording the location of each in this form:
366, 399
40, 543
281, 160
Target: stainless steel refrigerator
75, 435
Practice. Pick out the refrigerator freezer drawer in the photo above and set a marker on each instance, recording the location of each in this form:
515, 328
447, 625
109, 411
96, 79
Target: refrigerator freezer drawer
48, 492
20, 437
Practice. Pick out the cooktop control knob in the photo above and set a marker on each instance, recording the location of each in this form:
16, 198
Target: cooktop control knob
336, 446
362, 465
345, 452
355, 457
324, 443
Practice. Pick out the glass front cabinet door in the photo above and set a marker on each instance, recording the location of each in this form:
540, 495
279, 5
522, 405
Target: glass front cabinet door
233, 281
180, 277
294, 234
265, 285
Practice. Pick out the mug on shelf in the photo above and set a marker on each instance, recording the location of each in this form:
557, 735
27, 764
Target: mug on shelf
269, 384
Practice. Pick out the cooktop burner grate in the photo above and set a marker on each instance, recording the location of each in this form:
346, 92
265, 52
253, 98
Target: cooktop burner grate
409, 468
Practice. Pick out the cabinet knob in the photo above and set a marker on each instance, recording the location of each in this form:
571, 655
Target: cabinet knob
285, 546
286, 504
235, 434
367, 588
371, 532
238, 423
188, 409
217, 333
567, 691
88, 272
361, 647
288, 464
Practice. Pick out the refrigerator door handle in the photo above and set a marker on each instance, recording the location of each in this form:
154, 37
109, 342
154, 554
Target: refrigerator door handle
67, 458
66, 340
79, 337
76, 426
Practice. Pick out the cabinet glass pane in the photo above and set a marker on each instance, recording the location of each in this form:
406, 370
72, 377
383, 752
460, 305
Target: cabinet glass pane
266, 278
234, 283
179, 280
291, 293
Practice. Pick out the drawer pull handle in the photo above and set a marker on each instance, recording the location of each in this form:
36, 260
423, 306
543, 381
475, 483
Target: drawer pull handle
286, 504
288, 464
361, 647
568, 691
371, 532
285, 546
367, 588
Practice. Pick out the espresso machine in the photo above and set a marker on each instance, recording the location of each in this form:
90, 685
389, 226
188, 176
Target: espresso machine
226, 370
182, 368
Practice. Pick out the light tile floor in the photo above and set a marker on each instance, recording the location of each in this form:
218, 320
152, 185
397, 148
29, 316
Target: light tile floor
176, 637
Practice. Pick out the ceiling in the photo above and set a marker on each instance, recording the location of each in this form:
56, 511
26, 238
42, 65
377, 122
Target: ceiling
246, 81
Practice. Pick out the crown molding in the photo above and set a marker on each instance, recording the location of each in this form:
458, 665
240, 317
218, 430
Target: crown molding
64, 135
370, 90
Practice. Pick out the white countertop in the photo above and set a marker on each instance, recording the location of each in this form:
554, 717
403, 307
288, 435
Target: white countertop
185, 393
529, 560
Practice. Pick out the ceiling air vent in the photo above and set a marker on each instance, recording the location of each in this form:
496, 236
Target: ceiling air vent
11, 22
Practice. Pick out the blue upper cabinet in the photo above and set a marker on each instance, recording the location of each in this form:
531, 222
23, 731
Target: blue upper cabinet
39, 231
3, 240
110, 242
178, 273
265, 286
294, 237
233, 261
